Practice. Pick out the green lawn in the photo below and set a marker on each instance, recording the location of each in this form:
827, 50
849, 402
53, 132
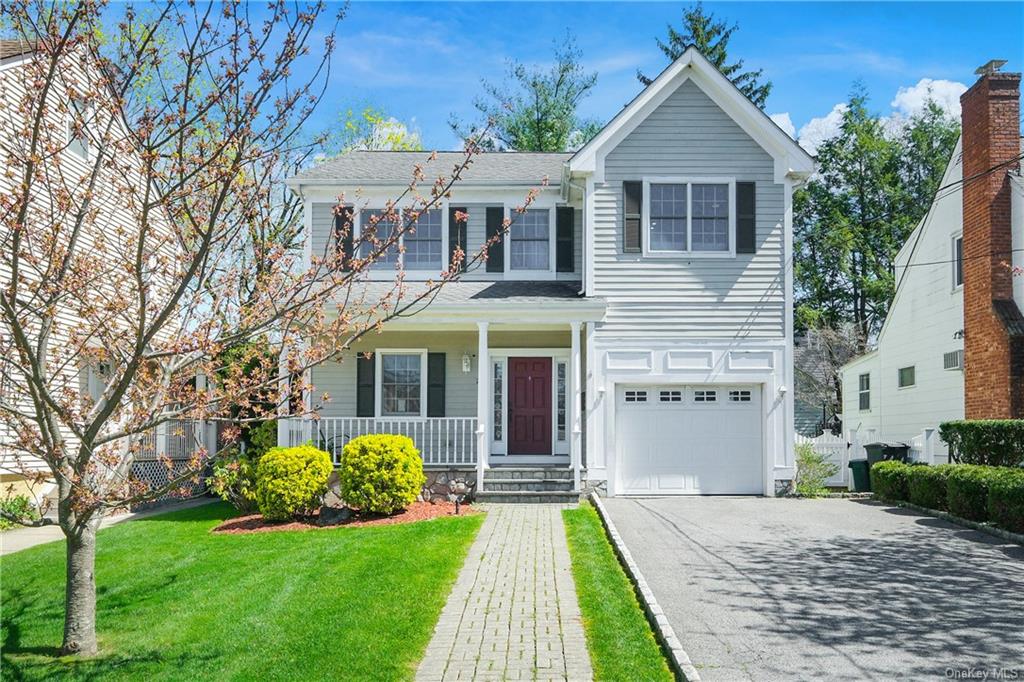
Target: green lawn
622, 645
177, 602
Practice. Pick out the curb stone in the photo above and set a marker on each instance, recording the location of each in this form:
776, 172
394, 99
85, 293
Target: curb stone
987, 528
677, 657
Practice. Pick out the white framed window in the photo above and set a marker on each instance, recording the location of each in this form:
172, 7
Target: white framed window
739, 396
864, 392
401, 388
530, 240
705, 396
958, 261
636, 396
421, 247
78, 142
906, 377
498, 411
690, 217
561, 400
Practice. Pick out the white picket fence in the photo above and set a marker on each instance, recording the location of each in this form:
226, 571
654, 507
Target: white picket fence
924, 447
837, 450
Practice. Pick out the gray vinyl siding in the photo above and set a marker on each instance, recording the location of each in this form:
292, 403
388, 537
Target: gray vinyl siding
337, 378
323, 227
689, 135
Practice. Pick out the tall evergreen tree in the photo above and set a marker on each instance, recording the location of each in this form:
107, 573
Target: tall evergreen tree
535, 110
711, 36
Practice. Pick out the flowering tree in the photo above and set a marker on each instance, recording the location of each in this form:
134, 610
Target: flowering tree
140, 219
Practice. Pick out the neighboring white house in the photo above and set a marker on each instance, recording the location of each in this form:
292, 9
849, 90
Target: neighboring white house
915, 377
634, 327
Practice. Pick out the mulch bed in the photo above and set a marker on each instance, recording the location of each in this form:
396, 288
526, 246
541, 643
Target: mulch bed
419, 511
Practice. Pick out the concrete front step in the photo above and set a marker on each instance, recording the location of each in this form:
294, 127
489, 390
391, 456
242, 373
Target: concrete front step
528, 496
507, 472
536, 484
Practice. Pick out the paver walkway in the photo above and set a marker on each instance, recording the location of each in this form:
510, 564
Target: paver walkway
513, 613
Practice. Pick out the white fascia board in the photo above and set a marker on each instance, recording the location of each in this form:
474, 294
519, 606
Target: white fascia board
507, 195
791, 160
296, 183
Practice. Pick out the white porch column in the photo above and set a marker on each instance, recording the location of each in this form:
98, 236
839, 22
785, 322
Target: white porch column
575, 372
483, 383
284, 392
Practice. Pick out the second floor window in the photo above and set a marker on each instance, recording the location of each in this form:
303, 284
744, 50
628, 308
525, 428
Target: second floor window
78, 139
906, 377
375, 224
530, 240
423, 246
688, 217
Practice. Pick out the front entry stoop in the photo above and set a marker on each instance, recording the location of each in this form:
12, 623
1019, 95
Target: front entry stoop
528, 484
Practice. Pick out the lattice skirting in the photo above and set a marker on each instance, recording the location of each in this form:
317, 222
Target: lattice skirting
156, 474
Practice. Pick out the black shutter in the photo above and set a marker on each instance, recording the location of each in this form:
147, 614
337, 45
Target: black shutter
565, 238
365, 369
496, 251
456, 236
343, 229
632, 203
435, 384
746, 217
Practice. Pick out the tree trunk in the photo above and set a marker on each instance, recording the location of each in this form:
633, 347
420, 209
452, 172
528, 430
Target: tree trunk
80, 592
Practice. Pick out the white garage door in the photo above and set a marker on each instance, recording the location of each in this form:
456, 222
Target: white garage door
689, 440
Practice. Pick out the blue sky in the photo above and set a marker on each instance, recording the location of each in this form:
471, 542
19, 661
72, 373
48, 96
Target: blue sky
422, 61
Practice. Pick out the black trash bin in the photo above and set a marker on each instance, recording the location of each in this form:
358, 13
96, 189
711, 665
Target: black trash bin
882, 451
861, 470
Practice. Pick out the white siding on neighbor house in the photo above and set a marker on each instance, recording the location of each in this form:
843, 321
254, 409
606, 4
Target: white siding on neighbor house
322, 224
923, 323
741, 296
337, 378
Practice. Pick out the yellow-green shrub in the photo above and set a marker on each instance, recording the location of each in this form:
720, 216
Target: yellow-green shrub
381, 473
291, 481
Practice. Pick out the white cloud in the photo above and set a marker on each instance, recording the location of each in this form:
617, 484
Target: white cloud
910, 100
785, 122
817, 130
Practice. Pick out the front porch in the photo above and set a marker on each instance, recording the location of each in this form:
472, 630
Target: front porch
473, 394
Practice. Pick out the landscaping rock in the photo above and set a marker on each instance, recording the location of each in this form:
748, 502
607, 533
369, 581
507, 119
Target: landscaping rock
330, 516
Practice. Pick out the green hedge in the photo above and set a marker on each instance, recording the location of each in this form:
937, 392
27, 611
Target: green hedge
927, 485
993, 442
1006, 500
889, 480
967, 490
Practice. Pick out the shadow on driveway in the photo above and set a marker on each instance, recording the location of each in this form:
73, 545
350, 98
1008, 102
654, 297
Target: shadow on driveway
760, 588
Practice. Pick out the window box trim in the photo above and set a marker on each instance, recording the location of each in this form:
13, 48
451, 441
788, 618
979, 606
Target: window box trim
689, 253
378, 381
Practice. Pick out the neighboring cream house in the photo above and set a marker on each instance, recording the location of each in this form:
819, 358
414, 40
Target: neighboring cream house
632, 332
915, 377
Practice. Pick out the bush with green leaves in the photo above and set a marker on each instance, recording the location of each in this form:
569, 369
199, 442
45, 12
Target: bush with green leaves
233, 479
16, 508
889, 480
926, 485
967, 490
381, 473
813, 470
1006, 499
994, 442
291, 482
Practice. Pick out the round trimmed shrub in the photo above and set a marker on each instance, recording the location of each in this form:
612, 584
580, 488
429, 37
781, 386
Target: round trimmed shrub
1006, 499
967, 491
291, 482
381, 473
889, 480
927, 485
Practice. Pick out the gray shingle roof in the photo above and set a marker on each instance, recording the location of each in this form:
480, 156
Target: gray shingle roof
481, 293
488, 168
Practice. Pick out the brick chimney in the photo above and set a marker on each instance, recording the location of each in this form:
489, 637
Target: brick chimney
993, 325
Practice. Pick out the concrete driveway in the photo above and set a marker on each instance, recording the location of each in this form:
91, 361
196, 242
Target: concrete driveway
797, 589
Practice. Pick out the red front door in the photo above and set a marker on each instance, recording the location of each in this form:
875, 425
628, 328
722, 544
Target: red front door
529, 406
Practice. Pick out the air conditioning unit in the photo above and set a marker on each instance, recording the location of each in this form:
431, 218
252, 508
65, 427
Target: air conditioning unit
953, 360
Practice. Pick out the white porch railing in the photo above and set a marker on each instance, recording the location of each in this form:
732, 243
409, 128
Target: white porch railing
178, 439
835, 448
440, 440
